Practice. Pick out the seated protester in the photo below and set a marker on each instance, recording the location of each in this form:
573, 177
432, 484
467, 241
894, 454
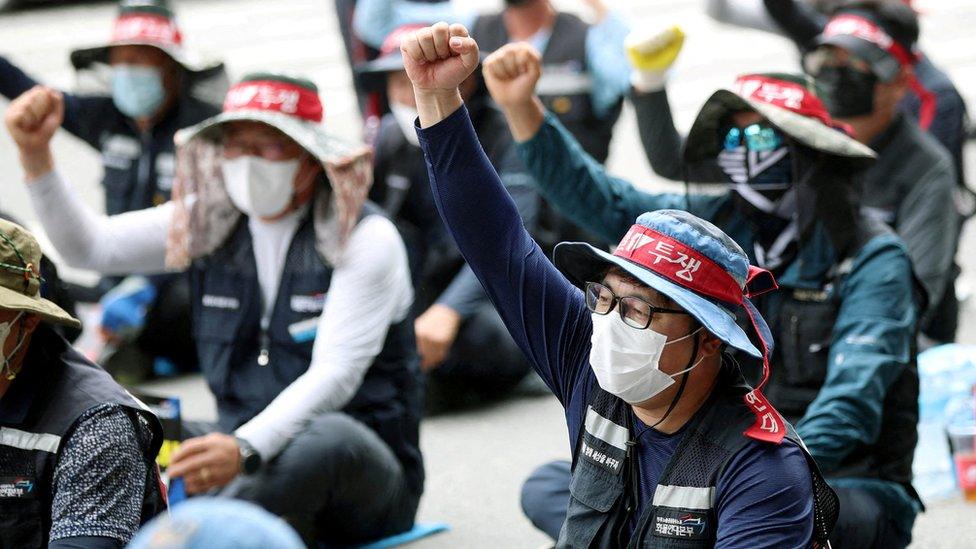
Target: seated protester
845, 318
463, 345
866, 61
586, 72
77, 452
669, 442
154, 92
301, 300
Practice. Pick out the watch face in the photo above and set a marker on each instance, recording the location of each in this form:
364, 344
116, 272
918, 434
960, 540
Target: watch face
250, 462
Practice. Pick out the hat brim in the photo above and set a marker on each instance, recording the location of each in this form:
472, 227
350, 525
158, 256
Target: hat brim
581, 262
85, 57
884, 65
703, 140
372, 75
311, 136
47, 310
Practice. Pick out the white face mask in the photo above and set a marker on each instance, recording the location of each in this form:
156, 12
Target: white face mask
259, 187
405, 117
5, 329
626, 361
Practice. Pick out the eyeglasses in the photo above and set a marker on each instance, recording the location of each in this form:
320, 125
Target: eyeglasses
269, 150
634, 311
757, 137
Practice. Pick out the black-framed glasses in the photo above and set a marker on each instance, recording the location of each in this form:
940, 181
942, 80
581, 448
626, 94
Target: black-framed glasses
634, 311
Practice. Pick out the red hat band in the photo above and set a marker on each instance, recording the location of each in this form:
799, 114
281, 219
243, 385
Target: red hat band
146, 27
865, 29
391, 44
783, 94
275, 96
688, 268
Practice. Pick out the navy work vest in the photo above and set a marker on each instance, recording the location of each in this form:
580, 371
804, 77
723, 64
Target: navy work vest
682, 513
566, 82
57, 386
247, 367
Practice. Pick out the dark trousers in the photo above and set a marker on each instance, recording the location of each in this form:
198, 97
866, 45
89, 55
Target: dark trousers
864, 522
483, 363
336, 483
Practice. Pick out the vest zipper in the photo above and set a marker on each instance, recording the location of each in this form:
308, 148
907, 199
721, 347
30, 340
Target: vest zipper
264, 357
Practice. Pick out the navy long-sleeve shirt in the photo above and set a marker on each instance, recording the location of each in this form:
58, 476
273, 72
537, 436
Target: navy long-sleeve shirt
764, 497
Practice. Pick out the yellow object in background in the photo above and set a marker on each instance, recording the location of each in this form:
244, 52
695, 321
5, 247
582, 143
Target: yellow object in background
654, 51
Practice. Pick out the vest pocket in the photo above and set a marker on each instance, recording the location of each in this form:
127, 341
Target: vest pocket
806, 332
593, 493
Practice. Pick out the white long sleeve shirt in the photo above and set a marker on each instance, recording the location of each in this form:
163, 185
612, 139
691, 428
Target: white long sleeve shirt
370, 290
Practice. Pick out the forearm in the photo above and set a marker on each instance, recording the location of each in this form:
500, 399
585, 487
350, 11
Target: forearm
525, 119
579, 186
539, 307
750, 14
13, 80
662, 143
134, 242
798, 20
464, 294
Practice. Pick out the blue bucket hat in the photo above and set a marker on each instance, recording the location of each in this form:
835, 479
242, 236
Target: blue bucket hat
700, 268
216, 523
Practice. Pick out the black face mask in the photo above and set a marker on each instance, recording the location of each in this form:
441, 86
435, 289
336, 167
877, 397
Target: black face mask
515, 3
846, 92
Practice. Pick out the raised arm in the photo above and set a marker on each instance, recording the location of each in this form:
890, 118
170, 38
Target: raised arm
567, 177
543, 311
81, 113
134, 242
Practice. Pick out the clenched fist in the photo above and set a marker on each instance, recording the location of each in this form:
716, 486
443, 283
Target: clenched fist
32, 120
437, 59
511, 74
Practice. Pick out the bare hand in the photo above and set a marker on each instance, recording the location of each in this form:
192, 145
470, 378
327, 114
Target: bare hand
438, 58
511, 74
206, 462
436, 331
33, 118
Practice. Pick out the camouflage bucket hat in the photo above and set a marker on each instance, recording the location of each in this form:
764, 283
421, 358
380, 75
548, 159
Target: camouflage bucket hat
20, 279
789, 103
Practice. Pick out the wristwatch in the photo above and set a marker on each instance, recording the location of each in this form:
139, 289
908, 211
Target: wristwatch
250, 458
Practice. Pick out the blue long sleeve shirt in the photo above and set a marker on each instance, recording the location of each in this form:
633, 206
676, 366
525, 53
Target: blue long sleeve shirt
764, 497
374, 20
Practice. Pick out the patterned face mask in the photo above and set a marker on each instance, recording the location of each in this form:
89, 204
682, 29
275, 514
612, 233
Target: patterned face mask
757, 155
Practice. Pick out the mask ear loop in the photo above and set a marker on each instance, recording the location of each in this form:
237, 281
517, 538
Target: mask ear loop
684, 380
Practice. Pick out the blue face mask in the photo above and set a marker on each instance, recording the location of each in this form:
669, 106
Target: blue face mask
137, 91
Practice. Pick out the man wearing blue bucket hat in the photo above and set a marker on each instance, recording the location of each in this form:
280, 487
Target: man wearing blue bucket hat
845, 318
670, 446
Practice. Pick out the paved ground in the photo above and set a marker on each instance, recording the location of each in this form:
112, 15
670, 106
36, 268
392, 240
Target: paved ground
476, 460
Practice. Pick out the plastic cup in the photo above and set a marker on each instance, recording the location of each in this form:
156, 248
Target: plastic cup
962, 439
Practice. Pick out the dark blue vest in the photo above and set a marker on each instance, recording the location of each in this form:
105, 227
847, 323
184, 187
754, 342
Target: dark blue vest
56, 387
247, 367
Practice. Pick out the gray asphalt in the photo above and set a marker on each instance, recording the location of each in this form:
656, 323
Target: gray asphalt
477, 460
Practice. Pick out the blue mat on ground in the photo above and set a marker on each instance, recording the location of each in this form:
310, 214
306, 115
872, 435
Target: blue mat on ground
420, 530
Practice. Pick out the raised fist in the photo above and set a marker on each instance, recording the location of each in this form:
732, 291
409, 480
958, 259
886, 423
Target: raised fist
33, 118
652, 53
512, 72
438, 58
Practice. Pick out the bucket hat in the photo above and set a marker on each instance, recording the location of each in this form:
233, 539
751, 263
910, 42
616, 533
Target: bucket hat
703, 271
789, 103
20, 279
